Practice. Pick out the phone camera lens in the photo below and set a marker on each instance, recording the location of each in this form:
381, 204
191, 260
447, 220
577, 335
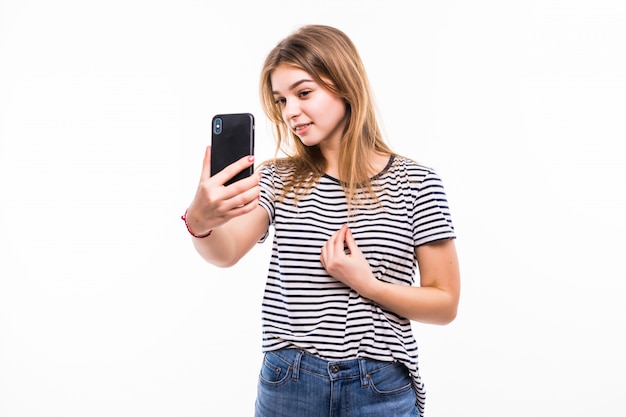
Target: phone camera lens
217, 126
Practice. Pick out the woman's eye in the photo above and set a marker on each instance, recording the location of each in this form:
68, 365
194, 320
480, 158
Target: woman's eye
280, 101
305, 93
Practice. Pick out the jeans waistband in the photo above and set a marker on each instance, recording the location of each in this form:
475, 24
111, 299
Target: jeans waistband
300, 360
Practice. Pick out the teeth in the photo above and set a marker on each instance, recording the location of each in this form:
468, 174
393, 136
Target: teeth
300, 127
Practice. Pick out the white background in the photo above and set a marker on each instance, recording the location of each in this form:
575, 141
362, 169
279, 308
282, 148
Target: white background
105, 108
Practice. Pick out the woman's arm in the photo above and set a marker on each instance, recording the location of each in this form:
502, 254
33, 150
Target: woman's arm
231, 213
435, 301
228, 243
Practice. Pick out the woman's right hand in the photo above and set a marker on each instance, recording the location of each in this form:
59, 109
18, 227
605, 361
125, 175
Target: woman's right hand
214, 203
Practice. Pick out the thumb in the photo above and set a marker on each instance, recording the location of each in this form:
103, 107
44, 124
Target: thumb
350, 243
206, 165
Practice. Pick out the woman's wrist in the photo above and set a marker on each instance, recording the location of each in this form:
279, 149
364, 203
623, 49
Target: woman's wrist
197, 236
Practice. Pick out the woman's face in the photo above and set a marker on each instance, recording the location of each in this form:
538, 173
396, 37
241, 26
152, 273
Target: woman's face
312, 112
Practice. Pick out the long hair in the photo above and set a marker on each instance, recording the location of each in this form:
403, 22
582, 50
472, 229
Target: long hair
332, 60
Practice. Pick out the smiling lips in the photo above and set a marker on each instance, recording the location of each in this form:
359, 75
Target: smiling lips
301, 127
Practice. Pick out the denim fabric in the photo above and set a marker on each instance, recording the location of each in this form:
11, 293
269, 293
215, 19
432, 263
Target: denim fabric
296, 384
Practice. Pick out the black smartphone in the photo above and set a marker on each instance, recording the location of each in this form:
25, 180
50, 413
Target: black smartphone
232, 138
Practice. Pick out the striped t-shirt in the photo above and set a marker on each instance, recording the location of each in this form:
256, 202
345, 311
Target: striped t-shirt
304, 307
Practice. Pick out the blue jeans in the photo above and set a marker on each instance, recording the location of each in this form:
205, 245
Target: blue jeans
296, 384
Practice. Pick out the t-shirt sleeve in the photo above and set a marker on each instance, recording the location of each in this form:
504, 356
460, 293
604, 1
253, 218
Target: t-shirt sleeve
431, 214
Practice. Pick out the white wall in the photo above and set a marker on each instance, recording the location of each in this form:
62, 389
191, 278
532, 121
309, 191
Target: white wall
105, 107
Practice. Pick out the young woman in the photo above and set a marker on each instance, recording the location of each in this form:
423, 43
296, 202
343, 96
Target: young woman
354, 223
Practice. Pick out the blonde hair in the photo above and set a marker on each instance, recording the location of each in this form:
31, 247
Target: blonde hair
330, 57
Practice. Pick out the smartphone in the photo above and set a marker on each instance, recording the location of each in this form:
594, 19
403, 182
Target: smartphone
232, 138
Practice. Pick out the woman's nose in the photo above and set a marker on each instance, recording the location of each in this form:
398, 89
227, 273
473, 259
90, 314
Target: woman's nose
292, 109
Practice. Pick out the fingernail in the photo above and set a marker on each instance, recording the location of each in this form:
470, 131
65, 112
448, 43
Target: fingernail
251, 158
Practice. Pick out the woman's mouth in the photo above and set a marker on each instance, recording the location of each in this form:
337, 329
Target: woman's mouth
299, 129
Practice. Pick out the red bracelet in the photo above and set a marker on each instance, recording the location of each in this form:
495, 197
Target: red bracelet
184, 218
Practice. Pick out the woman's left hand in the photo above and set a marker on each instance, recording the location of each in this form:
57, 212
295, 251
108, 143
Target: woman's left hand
434, 301
343, 260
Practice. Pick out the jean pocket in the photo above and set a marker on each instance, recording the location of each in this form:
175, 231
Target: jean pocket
274, 370
391, 379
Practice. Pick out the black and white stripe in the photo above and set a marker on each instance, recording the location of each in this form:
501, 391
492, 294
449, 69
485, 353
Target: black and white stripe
304, 307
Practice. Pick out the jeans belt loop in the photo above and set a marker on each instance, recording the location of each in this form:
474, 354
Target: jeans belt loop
295, 372
365, 377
